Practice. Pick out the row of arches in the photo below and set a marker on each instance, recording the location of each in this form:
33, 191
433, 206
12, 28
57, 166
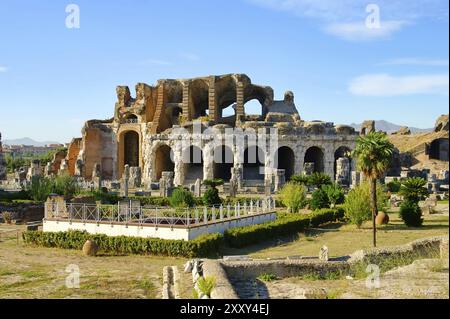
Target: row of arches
253, 161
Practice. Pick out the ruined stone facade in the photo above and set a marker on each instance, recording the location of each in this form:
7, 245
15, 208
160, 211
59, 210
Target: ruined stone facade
141, 134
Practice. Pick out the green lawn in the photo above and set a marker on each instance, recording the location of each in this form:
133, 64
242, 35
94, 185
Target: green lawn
344, 239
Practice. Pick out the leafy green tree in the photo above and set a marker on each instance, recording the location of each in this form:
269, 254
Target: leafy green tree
373, 153
357, 203
300, 179
319, 199
293, 196
414, 189
394, 186
318, 179
335, 194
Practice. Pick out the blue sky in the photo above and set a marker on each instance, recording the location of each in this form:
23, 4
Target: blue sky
53, 78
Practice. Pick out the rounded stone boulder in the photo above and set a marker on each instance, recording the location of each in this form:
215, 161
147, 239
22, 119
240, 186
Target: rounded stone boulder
382, 218
90, 248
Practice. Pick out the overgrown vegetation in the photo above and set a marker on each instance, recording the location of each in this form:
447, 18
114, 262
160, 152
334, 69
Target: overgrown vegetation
293, 196
206, 285
267, 277
181, 198
40, 187
393, 186
357, 203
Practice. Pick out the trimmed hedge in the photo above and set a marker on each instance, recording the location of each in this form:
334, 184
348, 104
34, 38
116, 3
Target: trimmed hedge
203, 246
285, 224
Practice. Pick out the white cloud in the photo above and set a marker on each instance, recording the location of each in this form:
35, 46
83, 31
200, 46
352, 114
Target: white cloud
345, 18
416, 61
3, 69
155, 62
387, 85
190, 56
358, 31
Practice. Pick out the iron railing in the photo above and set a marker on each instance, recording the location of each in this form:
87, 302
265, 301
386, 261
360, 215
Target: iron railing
129, 213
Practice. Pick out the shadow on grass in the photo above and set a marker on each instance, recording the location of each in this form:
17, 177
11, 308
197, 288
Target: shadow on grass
285, 240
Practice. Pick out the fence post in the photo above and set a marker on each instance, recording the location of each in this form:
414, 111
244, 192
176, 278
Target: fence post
221, 212
238, 209
205, 215
228, 211
84, 212
213, 214
188, 216
196, 215
98, 213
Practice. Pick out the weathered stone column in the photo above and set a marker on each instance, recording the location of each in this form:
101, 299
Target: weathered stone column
186, 100
329, 162
208, 160
239, 101
212, 99
178, 164
299, 159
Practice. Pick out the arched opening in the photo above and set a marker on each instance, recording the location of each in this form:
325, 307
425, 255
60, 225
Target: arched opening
228, 115
439, 149
130, 118
254, 110
173, 115
254, 163
163, 161
314, 158
131, 149
342, 165
285, 159
193, 163
223, 162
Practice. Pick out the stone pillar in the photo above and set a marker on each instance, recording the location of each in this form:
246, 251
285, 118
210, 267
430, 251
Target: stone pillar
166, 184
208, 161
34, 170
63, 167
178, 164
212, 100
126, 179
187, 100
299, 159
329, 162
356, 179
308, 168
343, 171
280, 179
135, 179
240, 111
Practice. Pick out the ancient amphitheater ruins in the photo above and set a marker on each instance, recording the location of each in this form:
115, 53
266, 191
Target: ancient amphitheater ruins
144, 136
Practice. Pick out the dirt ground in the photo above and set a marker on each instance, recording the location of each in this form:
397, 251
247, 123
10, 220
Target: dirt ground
35, 272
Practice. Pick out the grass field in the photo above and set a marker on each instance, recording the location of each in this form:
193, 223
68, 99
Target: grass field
342, 239
35, 272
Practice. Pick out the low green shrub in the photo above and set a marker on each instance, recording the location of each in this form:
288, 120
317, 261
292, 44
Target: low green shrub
394, 186
13, 196
319, 199
203, 246
326, 215
317, 179
335, 194
411, 214
181, 197
211, 197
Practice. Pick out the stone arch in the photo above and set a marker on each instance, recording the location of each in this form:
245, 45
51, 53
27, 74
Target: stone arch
254, 163
285, 159
223, 162
173, 113
438, 149
129, 149
315, 155
192, 163
163, 160
199, 98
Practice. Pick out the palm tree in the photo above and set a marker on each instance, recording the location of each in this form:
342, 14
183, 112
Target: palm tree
373, 153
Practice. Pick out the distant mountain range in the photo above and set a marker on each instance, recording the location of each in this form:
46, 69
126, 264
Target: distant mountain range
28, 141
389, 127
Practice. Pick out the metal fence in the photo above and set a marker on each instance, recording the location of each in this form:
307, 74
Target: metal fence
130, 213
